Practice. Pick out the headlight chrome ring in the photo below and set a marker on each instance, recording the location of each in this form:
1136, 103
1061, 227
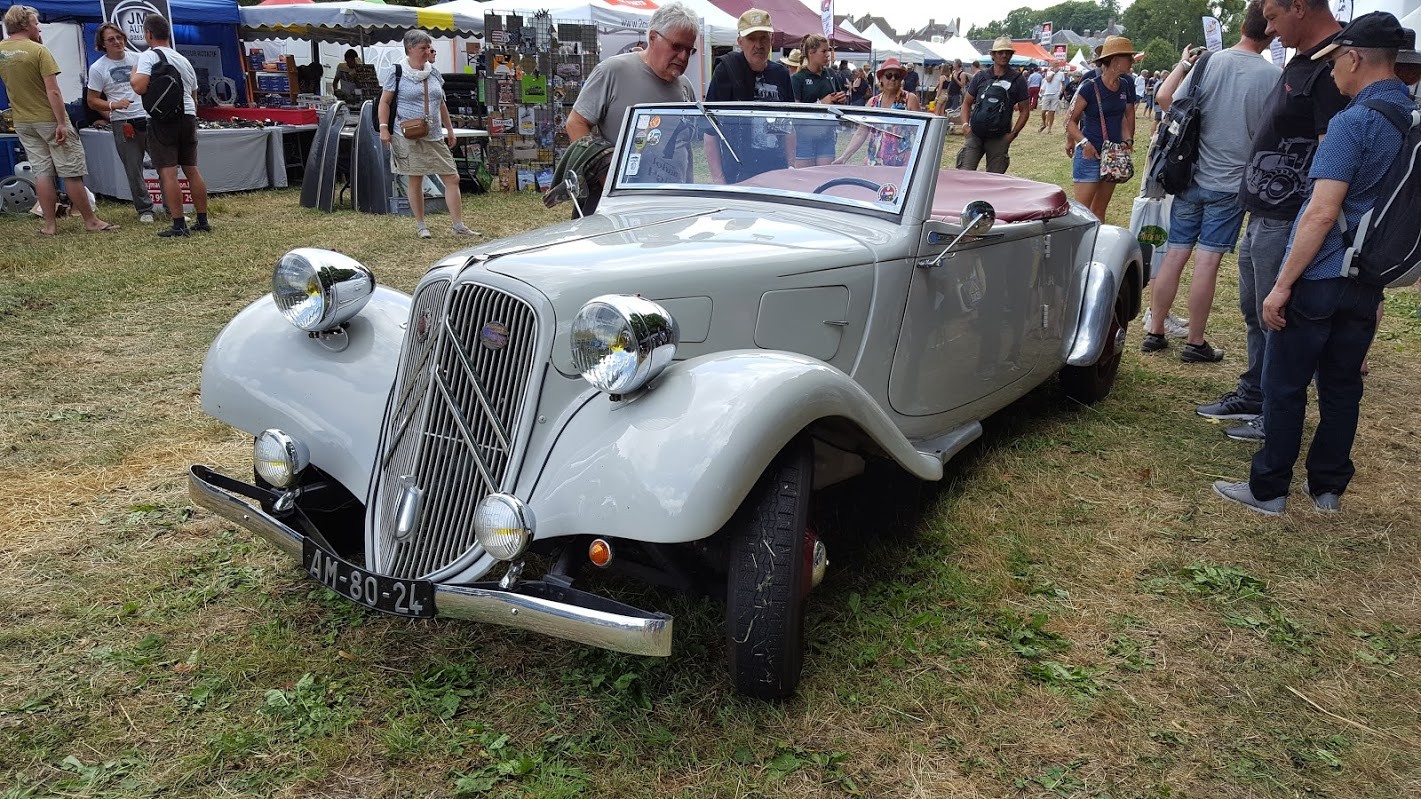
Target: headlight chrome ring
319, 290
278, 458
620, 343
503, 525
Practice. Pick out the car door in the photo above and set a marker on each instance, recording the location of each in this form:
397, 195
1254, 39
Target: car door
972, 321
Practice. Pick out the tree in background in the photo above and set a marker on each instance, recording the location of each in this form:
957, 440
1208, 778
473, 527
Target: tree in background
1074, 15
1160, 54
1178, 22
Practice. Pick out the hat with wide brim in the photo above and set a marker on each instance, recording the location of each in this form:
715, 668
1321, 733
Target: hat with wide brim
890, 64
1114, 46
794, 59
1003, 43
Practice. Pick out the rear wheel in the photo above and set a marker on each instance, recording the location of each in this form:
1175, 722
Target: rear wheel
769, 578
1091, 384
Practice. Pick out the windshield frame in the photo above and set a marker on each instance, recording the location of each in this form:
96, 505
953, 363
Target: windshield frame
618, 184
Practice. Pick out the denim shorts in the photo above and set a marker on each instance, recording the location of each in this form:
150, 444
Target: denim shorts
814, 141
1084, 170
1208, 220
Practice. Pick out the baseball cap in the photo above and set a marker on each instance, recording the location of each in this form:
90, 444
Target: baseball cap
753, 21
1378, 30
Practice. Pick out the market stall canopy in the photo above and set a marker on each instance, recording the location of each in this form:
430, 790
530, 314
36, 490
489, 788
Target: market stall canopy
352, 20
607, 15
885, 47
285, 2
954, 49
1031, 51
793, 21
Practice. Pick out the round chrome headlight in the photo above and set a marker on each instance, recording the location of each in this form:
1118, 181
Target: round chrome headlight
319, 290
621, 343
503, 525
279, 459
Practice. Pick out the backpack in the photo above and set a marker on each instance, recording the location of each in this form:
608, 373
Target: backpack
164, 99
991, 112
1176, 146
1385, 249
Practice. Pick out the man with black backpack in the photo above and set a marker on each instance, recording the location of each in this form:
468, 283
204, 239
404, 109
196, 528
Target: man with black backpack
168, 85
1220, 101
1321, 316
987, 106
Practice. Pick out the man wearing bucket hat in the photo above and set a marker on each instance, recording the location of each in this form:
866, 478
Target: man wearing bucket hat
793, 61
987, 106
1408, 62
1321, 323
749, 76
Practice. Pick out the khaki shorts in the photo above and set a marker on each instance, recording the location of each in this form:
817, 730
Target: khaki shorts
1050, 102
425, 156
49, 157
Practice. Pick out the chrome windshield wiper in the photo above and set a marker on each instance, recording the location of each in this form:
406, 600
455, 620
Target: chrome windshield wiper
720, 134
843, 117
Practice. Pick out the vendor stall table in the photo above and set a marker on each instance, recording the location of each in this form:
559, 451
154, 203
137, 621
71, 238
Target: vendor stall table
237, 159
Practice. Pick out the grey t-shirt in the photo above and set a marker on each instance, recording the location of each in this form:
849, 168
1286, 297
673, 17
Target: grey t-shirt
410, 103
1236, 88
620, 82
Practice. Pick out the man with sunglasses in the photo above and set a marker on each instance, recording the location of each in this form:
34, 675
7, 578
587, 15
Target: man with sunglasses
112, 97
1321, 323
1000, 90
653, 75
750, 76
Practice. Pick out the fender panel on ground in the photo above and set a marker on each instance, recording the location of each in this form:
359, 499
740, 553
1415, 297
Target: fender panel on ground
262, 372
673, 463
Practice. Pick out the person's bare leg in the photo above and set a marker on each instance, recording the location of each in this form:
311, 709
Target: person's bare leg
1101, 203
172, 195
453, 199
198, 187
79, 197
1085, 193
48, 195
1165, 287
1201, 292
416, 192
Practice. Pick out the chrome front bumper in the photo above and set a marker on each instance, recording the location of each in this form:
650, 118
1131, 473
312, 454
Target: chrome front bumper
591, 620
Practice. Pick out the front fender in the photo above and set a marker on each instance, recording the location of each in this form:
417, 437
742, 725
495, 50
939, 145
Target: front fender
262, 372
1115, 263
673, 464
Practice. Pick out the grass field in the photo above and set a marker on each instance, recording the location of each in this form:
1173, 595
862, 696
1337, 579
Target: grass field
1080, 616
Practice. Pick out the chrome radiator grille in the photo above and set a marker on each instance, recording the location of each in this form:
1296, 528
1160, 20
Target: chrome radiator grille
454, 421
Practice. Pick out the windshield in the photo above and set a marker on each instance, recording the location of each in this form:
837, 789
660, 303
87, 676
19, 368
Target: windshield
857, 158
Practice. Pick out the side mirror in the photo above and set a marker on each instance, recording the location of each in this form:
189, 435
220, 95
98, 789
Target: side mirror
569, 189
978, 217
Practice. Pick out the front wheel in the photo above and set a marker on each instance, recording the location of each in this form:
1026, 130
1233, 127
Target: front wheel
1091, 384
768, 577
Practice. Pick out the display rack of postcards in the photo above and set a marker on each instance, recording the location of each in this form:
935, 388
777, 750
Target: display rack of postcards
533, 69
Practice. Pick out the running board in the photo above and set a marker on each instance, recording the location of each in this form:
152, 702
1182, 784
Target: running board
945, 446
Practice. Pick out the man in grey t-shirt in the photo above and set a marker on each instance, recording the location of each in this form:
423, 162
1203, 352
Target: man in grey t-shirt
1205, 218
654, 75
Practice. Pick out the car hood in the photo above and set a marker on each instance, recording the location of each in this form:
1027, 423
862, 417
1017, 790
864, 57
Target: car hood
715, 252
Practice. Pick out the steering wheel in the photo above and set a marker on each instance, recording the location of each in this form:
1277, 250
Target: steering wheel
861, 182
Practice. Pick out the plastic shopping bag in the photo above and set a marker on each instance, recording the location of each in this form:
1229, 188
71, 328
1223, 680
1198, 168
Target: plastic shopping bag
1149, 221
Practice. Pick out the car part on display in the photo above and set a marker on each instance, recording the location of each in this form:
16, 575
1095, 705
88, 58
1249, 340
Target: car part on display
318, 184
370, 181
17, 195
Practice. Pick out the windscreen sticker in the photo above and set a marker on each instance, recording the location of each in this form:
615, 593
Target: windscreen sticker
888, 193
633, 164
654, 137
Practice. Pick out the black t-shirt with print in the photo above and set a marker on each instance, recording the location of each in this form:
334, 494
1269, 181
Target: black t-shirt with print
760, 148
1275, 178
811, 88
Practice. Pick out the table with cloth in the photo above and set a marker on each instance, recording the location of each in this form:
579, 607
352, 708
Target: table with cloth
230, 159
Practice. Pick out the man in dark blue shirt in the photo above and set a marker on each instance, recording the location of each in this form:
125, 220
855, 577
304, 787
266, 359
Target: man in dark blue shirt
748, 76
1321, 324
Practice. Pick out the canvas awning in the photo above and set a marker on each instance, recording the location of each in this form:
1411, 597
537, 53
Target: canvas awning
793, 21
351, 20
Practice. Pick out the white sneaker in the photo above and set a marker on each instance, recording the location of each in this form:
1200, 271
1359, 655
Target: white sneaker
146, 219
1174, 327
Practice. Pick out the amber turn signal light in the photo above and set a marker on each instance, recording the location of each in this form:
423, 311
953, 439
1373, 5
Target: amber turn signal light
599, 552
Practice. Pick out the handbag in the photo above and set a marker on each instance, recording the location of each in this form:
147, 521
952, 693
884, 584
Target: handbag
1115, 163
413, 128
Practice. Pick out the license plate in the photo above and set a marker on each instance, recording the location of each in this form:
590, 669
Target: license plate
407, 598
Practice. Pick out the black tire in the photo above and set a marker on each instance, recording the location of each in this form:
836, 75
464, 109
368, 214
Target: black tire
1091, 384
766, 585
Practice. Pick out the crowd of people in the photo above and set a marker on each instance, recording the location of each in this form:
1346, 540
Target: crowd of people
147, 100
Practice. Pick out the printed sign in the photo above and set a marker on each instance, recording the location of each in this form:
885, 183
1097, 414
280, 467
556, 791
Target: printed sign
826, 18
1278, 51
1046, 32
154, 186
1342, 9
1059, 52
128, 15
1213, 35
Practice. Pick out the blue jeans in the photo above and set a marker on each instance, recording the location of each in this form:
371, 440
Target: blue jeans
1259, 259
1330, 325
1084, 170
1207, 219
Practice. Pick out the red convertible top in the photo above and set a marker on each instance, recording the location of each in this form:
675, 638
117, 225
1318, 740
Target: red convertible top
1015, 199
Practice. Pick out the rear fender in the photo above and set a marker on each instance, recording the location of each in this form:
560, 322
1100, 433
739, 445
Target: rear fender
673, 463
1115, 262
263, 372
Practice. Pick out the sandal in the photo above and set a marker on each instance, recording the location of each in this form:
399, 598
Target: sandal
462, 229
423, 232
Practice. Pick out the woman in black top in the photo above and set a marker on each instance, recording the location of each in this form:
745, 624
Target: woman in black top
815, 83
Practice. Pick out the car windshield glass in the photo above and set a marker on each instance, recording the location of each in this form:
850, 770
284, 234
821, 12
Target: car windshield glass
864, 157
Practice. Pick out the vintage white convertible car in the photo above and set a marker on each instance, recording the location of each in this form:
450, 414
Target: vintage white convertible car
662, 386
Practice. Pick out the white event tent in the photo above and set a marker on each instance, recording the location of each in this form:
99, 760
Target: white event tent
718, 27
885, 47
953, 49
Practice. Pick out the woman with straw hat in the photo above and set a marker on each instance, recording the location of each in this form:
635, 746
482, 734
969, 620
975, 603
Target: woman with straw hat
887, 150
794, 60
1103, 111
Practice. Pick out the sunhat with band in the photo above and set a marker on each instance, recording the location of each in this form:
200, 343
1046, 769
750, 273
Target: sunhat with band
794, 59
1002, 44
891, 64
1114, 46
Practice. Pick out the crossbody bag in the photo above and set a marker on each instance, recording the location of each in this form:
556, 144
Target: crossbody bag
412, 128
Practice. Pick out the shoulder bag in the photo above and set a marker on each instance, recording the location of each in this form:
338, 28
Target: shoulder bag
1115, 163
412, 128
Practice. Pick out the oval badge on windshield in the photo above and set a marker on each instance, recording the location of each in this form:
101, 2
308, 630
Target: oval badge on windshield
494, 335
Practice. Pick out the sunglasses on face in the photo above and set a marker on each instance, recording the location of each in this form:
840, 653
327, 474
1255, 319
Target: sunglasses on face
118, 39
679, 49
892, 76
